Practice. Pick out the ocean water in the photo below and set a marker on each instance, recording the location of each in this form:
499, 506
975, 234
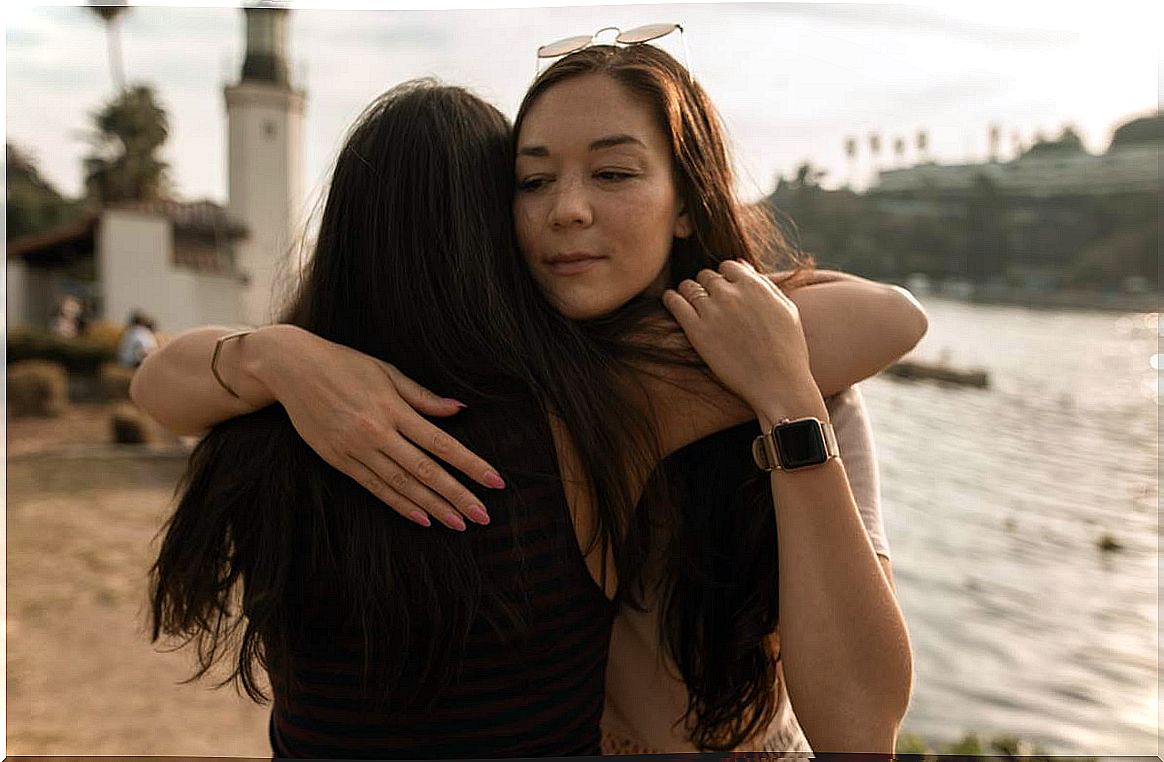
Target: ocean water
995, 502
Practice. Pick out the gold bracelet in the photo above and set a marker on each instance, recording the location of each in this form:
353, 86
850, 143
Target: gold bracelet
214, 358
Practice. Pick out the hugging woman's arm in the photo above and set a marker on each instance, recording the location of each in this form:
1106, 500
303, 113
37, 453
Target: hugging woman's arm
366, 419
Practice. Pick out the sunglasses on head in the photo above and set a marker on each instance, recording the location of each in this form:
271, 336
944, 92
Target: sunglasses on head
636, 36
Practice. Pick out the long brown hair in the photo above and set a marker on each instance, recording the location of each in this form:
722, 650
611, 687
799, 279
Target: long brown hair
415, 264
719, 587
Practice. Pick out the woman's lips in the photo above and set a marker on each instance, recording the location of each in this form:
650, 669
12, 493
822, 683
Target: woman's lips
571, 265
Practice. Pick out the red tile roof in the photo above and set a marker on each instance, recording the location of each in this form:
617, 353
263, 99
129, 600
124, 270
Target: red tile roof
70, 233
205, 217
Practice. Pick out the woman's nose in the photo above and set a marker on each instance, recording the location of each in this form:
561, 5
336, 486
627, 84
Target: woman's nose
571, 206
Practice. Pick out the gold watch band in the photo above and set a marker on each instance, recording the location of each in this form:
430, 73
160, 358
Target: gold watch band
767, 456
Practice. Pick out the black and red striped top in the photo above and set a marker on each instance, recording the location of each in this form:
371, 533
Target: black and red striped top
537, 693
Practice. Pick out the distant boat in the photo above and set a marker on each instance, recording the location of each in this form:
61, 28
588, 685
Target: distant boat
911, 370
919, 284
955, 288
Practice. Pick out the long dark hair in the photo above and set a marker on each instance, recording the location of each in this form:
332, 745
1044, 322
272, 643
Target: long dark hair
406, 268
415, 264
718, 572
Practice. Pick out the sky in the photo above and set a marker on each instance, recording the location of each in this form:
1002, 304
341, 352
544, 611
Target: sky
791, 80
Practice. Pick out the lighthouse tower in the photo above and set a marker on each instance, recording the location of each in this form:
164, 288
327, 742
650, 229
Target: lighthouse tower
264, 115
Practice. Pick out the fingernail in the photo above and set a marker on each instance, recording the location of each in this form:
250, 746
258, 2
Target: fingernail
456, 403
494, 480
478, 514
420, 518
455, 522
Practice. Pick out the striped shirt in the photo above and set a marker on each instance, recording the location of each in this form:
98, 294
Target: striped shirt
535, 693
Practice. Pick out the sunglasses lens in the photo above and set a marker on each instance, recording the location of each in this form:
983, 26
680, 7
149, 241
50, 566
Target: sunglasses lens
562, 47
646, 33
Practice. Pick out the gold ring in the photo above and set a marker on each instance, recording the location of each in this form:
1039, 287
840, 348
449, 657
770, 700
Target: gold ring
700, 295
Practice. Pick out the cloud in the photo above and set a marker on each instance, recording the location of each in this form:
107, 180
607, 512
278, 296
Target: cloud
805, 73
911, 18
15, 39
954, 93
377, 31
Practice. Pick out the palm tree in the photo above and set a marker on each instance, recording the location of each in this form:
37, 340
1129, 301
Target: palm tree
875, 152
124, 166
808, 176
851, 154
109, 13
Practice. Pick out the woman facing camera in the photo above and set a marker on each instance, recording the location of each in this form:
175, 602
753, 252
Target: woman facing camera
624, 196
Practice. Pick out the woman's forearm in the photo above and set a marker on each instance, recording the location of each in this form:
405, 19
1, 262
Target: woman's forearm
854, 328
845, 648
844, 644
175, 386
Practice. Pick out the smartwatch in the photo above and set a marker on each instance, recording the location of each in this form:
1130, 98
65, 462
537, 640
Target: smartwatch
795, 444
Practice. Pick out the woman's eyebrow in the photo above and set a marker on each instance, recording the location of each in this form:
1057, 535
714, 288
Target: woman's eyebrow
615, 140
610, 141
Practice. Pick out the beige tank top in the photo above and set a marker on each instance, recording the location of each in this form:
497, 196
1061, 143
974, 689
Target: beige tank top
644, 695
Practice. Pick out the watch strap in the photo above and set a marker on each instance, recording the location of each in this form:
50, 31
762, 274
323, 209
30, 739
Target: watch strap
766, 454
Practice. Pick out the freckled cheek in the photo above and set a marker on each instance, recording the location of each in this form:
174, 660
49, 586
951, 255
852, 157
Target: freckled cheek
525, 228
655, 208
648, 228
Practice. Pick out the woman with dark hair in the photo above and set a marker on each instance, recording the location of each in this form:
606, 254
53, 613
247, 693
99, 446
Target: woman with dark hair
379, 638
619, 389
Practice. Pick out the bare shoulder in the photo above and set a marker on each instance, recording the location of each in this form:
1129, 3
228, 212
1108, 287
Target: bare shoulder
685, 402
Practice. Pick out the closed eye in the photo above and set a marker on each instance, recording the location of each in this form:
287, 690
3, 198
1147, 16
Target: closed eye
530, 184
614, 175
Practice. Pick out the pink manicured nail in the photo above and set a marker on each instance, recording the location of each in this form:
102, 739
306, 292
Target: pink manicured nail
455, 522
478, 514
456, 403
420, 518
494, 480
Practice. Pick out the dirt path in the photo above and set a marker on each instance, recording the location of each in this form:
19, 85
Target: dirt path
78, 426
83, 678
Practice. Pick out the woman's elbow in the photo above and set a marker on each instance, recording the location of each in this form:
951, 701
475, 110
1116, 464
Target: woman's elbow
896, 699
145, 392
914, 322
139, 384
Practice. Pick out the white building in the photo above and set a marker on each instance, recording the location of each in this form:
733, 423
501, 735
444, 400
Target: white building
188, 264
174, 261
1129, 166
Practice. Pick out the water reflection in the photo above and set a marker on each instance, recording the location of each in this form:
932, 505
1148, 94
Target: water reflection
997, 503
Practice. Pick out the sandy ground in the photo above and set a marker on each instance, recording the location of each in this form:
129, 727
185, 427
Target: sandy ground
80, 427
82, 676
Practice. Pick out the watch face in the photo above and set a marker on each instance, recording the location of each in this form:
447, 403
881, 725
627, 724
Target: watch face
800, 444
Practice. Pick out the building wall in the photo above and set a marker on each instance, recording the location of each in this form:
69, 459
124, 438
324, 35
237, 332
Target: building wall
214, 299
16, 294
136, 271
33, 293
1134, 168
265, 167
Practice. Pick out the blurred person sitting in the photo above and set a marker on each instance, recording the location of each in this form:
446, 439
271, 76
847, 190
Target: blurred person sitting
66, 318
138, 340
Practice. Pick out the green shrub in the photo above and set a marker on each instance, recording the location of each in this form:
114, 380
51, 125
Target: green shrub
968, 746
908, 743
37, 388
915, 748
130, 425
115, 381
83, 355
